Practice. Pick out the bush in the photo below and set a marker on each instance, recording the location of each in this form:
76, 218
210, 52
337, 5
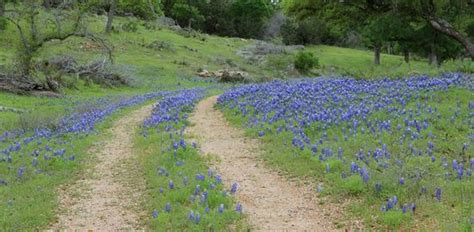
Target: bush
305, 61
131, 26
307, 31
143, 9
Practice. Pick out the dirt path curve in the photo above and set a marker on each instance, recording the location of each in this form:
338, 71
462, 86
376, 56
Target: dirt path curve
270, 201
108, 196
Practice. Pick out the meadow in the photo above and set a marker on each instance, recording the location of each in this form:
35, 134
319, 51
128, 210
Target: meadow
401, 149
396, 139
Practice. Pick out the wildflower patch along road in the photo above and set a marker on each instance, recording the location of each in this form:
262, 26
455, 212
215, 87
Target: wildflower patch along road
109, 197
271, 202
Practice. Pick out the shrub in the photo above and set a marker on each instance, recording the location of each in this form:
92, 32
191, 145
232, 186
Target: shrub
305, 61
307, 31
130, 26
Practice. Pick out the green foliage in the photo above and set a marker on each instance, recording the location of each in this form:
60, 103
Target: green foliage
451, 213
154, 156
143, 9
305, 61
130, 26
187, 15
395, 218
307, 31
353, 185
250, 17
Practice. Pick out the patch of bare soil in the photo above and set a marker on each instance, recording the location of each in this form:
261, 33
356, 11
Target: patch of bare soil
108, 197
271, 202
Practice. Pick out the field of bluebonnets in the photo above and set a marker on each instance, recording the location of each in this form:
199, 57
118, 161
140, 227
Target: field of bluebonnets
184, 194
401, 149
33, 163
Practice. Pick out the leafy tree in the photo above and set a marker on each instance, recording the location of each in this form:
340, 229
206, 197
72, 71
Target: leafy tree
187, 15
310, 30
33, 37
218, 19
249, 17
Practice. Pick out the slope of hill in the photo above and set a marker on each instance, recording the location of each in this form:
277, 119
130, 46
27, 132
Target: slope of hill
157, 57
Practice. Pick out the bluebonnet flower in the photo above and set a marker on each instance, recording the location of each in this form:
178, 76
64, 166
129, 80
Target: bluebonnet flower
233, 189
21, 171
197, 189
154, 214
238, 208
354, 167
401, 181
200, 177
191, 215
438, 194
460, 172
455, 164
364, 174
218, 179
197, 218
168, 207
171, 184
221, 208
261, 133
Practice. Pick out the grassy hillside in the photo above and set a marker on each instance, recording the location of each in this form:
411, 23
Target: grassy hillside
177, 56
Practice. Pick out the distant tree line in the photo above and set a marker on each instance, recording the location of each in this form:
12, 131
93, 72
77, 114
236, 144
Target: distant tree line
437, 29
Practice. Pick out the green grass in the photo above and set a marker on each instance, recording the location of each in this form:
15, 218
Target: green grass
155, 154
456, 206
162, 69
30, 202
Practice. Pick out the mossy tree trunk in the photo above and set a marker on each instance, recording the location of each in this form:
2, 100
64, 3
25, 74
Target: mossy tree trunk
377, 50
110, 15
2, 8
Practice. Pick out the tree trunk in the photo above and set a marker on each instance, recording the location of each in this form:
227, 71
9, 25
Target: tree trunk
110, 16
377, 49
432, 57
2, 8
406, 55
447, 29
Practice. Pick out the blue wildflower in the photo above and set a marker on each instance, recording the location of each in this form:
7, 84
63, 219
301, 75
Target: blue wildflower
238, 208
168, 207
233, 189
438, 194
